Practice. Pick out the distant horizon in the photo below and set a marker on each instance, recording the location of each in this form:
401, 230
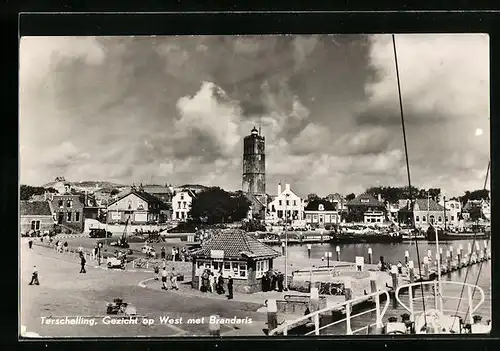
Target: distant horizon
175, 109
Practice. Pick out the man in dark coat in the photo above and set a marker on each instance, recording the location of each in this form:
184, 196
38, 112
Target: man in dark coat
30, 243
230, 288
163, 252
265, 283
220, 285
280, 282
82, 263
34, 277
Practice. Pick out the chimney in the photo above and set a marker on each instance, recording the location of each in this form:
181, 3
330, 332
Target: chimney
279, 188
287, 187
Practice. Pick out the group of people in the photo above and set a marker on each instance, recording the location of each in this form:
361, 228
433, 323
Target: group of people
209, 282
176, 253
272, 281
172, 277
59, 246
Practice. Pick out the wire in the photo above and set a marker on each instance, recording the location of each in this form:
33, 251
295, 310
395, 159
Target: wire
469, 263
408, 170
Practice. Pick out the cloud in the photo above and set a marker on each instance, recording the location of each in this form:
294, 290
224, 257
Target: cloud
175, 109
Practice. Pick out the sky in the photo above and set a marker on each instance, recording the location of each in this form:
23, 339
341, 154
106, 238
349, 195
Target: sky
175, 110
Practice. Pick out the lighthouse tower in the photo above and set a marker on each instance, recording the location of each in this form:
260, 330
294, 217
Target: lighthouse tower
254, 164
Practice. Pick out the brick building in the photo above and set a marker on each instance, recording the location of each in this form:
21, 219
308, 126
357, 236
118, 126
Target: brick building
67, 210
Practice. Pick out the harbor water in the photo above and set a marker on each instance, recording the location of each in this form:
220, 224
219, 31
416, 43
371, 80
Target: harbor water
478, 274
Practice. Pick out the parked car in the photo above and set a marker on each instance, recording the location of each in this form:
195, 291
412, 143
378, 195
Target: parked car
99, 233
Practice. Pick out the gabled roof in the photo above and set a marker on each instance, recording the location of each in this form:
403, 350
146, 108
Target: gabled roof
35, 208
142, 194
156, 189
422, 205
314, 204
236, 244
371, 201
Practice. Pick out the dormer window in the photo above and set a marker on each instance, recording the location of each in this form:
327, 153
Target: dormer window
365, 201
182, 196
140, 206
69, 203
321, 207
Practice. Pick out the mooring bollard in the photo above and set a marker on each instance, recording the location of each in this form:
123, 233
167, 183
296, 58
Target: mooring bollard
370, 255
411, 271
272, 314
426, 268
214, 328
337, 249
407, 256
394, 275
309, 247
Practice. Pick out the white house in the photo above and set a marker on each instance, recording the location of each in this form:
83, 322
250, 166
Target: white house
286, 201
181, 204
453, 211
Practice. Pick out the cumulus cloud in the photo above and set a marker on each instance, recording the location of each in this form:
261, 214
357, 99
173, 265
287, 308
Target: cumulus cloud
175, 109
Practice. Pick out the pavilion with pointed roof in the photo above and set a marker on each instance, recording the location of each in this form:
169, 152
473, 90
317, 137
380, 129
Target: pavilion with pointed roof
237, 254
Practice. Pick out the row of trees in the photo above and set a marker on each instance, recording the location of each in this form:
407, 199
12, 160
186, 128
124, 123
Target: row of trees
28, 191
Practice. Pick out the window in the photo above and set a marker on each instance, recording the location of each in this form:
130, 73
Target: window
315, 218
424, 219
273, 209
417, 219
440, 219
308, 217
182, 215
68, 217
288, 202
280, 213
321, 207
77, 216
35, 225
69, 203
452, 218
365, 201
280, 202
178, 204
295, 202
177, 215
140, 206
243, 270
60, 203
129, 205
184, 204
182, 196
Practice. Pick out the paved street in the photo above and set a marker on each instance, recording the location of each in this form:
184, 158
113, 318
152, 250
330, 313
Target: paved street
65, 292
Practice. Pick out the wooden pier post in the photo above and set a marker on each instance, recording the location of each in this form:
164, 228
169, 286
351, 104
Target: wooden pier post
214, 328
272, 314
407, 256
411, 271
370, 255
337, 249
373, 285
394, 275
309, 246
426, 268
461, 249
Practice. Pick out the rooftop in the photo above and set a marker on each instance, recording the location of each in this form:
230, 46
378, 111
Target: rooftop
365, 200
35, 208
314, 204
236, 244
421, 205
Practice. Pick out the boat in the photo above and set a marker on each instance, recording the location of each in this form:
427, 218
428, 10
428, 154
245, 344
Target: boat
448, 235
438, 318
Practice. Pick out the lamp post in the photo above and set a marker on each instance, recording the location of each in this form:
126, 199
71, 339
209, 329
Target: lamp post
286, 242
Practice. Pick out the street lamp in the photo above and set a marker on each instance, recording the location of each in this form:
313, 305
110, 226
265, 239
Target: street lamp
286, 242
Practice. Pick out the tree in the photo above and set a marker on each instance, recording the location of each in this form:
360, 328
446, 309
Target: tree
214, 205
312, 197
350, 197
434, 193
114, 191
27, 191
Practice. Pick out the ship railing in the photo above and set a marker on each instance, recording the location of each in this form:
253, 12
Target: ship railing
346, 306
436, 294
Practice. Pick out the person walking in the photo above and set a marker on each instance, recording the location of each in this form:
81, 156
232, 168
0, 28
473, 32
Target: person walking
220, 284
34, 277
157, 273
400, 268
173, 279
164, 278
66, 249
173, 253
280, 282
30, 244
211, 279
163, 252
82, 262
230, 288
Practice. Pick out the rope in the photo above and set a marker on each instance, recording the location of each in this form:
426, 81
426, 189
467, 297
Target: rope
470, 258
408, 168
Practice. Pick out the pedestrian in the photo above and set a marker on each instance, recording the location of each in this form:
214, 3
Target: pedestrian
66, 248
56, 246
96, 252
173, 253
230, 288
400, 268
183, 254
173, 279
164, 264
211, 279
34, 277
157, 273
205, 286
220, 283
164, 279
163, 252
280, 282
82, 262
30, 243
